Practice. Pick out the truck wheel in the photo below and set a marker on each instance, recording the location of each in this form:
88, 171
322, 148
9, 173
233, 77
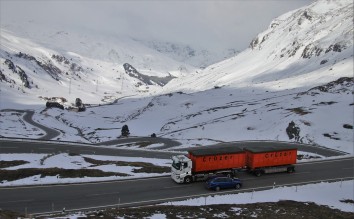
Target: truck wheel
258, 173
217, 188
290, 169
238, 186
187, 179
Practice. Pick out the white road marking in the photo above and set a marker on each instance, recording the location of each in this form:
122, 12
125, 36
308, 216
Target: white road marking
146, 202
179, 186
102, 194
325, 161
270, 176
93, 152
299, 173
83, 183
26, 200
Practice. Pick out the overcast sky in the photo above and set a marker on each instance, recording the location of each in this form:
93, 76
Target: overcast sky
209, 23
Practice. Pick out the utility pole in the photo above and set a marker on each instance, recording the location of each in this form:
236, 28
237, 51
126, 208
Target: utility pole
70, 83
122, 78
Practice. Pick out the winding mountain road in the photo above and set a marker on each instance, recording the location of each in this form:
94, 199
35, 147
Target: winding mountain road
16, 147
27, 117
137, 192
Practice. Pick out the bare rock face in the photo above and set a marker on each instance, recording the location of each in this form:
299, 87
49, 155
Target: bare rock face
145, 79
17, 70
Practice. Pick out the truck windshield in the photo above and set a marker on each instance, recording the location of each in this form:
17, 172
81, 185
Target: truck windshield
176, 165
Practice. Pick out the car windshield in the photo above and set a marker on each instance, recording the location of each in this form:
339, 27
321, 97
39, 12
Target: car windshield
176, 165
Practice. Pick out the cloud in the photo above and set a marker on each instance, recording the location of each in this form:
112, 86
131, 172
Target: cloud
207, 23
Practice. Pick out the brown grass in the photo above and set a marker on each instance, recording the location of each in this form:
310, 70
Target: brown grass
10, 175
284, 209
142, 166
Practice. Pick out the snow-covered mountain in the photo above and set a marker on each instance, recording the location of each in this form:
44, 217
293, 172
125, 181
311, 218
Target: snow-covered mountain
197, 57
73, 64
302, 48
78, 61
294, 83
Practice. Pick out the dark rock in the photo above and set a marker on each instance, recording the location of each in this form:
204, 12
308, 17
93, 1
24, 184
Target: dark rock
147, 80
10, 65
336, 48
347, 126
54, 104
310, 51
323, 62
23, 76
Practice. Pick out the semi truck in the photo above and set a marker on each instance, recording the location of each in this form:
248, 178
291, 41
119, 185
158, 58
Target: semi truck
227, 159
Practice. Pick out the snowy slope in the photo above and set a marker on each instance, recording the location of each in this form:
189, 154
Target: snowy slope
197, 57
299, 70
73, 64
302, 48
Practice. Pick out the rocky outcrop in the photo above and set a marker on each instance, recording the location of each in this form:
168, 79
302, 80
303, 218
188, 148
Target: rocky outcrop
48, 67
342, 85
23, 76
17, 70
145, 79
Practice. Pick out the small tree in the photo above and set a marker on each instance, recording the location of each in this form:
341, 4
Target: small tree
125, 131
78, 102
293, 131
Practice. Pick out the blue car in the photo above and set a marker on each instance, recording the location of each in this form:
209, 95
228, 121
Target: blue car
223, 183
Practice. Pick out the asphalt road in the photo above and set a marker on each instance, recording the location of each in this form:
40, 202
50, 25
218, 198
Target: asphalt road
25, 146
27, 117
41, 199
50, 133
50, 198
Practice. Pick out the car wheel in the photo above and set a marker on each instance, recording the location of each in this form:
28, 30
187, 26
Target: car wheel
238, 186
187, 179
217, 188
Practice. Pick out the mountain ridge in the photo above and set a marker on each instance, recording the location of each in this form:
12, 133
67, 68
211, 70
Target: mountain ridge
255, 95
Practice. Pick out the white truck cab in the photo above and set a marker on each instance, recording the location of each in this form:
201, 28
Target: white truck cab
181, 170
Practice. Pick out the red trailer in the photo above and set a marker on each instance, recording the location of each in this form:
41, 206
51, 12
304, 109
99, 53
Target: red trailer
203, 162
270, 159
217, 158
227, 159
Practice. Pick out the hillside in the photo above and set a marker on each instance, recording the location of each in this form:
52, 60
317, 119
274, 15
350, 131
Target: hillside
51, 63
297, 75
302, 48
